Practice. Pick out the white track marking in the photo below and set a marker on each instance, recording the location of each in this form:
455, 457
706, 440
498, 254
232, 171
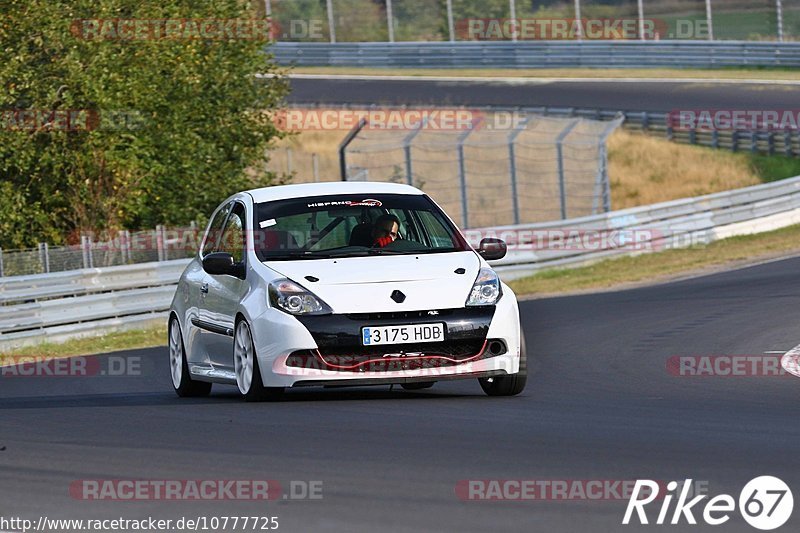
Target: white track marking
538, 81
791, 361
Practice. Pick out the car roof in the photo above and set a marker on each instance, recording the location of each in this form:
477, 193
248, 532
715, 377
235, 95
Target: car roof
310, 190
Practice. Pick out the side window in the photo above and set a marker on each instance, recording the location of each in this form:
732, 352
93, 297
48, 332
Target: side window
233, 237
214, 230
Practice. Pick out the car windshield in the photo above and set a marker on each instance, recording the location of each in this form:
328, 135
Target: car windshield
352, 226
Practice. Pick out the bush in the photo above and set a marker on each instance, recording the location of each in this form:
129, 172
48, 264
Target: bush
164, 128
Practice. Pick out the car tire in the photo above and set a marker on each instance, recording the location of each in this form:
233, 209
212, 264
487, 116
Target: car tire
418, 386
247, 370
509, 385
182, 381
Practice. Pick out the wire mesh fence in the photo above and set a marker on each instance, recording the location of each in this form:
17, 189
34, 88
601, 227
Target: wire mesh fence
120, 248
539, 168
465, 20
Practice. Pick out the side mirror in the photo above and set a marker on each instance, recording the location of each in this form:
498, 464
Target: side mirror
492, 249
222, 264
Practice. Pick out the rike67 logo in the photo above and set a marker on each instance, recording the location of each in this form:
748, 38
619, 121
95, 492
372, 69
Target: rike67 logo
765, 503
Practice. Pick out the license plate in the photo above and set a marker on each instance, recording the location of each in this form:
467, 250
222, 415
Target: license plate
374, 335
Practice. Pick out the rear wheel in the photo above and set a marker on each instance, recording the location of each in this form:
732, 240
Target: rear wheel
509, 385
182, 381
248, 373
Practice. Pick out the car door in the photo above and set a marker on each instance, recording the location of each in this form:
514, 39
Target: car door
199, 335
224, 292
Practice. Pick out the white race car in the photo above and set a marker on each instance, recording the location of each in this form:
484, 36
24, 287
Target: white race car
348, 283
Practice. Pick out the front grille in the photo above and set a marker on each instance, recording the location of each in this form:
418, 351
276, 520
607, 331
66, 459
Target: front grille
390, 357
455, 349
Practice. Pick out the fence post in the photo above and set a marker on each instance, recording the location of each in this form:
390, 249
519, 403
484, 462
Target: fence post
160, 242
709, 21
345, 143
787, 143
125, 246
315, 166
579, 33
512, 11
44, 257
289, 165
85, 251
512, 158
562, 187
462, 173
407, 149
450, 27
753, 142
779, 14
1, 262
640, 8
735, 141
331, 24
390, 20
601, 181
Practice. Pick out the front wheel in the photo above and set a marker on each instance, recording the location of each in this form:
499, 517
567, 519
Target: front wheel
509, 385
182, 381
248, 374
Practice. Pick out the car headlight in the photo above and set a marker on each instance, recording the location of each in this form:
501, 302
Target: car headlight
288, 296
486, 290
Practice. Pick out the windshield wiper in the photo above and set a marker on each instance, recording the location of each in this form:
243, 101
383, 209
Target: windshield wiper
307, 254
322, 254
364, 253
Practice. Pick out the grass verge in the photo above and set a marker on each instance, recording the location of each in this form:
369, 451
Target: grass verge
662, 266
644, 73
111, 342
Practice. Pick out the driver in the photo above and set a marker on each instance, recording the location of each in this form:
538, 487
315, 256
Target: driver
385, 230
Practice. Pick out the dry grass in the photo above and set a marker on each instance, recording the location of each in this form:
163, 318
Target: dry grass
106, 343
645, 169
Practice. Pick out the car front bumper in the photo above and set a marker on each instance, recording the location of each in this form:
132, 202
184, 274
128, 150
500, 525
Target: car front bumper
327, 351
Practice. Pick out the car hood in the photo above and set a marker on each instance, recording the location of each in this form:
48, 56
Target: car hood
366, 284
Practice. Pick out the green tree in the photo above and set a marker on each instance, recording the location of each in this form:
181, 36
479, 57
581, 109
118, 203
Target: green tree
172, 125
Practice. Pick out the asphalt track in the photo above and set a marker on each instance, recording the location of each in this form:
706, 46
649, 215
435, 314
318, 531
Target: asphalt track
660, 96
601, 406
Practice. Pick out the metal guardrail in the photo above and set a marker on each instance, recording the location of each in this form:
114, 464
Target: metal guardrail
674, 224
54, 307
61, 305
540, 54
